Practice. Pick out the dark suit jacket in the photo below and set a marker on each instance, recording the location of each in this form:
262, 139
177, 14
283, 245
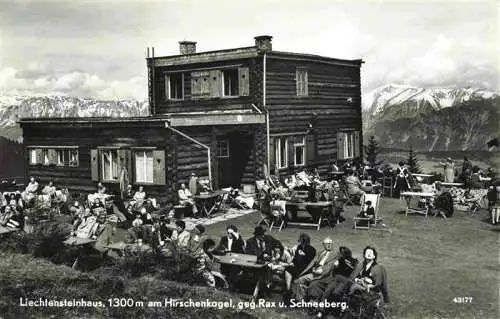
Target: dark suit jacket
300, 262
252, 247
379, 276
238, 246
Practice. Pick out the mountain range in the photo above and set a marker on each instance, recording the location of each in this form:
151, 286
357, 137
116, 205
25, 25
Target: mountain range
430, 119
12, 108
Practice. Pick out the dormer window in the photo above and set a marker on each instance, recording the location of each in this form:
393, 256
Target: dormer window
174, 86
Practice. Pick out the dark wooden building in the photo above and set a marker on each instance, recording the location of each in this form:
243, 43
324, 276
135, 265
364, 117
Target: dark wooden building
228, 114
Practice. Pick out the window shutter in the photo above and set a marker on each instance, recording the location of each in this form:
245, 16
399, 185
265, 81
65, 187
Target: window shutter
244, 81
215, 83
272, 154
159, 167
305, 86
310, 150
167, 87
94, 164
298, 79
340, 145
195, 85
356, 144
52, 154
39, 156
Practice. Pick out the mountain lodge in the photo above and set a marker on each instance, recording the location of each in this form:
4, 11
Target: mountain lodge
226, 114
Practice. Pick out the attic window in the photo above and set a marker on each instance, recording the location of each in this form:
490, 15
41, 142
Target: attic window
301, 82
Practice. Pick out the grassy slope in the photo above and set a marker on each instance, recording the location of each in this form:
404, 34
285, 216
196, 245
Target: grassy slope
428, 262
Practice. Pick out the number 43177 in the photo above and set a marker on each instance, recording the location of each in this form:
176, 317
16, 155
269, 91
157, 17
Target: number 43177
462, 300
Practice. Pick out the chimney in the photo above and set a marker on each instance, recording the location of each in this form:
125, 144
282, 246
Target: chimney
187, 47
263, 43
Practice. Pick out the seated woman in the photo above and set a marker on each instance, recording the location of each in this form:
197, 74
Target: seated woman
49, 189
186, 198
139, 197
368, 275
354, 186
280, 260
6, 212
83, 227
205, 262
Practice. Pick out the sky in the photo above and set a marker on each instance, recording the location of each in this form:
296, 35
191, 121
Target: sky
98, 48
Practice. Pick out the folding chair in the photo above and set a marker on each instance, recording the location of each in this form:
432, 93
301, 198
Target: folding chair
364, 222
278, 214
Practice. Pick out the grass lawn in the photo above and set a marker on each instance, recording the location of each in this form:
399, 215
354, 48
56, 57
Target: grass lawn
429, 262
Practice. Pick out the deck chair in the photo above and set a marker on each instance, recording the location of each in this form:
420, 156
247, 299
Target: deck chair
365, 222
278, 214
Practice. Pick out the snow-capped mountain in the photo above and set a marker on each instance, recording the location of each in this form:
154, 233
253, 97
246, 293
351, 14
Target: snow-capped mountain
433, 118
12, 108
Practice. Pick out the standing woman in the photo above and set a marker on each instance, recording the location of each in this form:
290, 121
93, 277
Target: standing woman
449, 170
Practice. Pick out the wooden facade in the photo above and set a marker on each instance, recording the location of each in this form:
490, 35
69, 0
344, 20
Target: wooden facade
218, 99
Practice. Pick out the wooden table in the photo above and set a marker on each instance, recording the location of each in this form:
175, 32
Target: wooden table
248, 262
309, 207
210, 202
408, 196
80, 243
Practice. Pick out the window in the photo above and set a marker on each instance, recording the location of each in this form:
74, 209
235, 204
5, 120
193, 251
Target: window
109, 165
281, 152
349, 145
301, 82
223, 149
175, 86
32, 153
144, 167
299, 152
230, 82
67, 157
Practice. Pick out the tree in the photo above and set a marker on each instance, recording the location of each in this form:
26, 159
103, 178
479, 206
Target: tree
372, 150
412, 161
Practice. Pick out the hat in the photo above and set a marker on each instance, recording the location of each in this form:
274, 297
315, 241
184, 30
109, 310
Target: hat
327, 240
448, 159
193, 174
259, 230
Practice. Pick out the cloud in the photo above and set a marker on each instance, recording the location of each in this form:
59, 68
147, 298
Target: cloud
78, 84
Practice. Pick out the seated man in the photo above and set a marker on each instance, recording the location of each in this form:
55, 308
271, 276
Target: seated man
160, 234
185, 198
302, 255
260, 244
181, 236
367, 212
344, 266
83, 227
49, 189
136, 232
323, 264
103, 233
